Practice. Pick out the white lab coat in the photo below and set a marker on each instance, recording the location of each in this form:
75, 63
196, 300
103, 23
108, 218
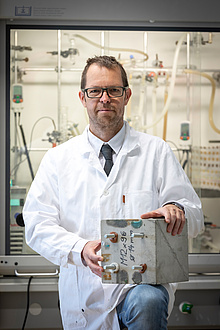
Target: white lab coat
71, 194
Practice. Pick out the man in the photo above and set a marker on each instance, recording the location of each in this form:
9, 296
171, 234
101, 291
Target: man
72, 192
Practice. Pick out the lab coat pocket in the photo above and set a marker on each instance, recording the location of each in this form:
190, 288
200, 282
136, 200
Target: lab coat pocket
139, 202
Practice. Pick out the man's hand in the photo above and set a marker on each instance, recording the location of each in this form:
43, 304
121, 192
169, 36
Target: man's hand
90, 257
174, 217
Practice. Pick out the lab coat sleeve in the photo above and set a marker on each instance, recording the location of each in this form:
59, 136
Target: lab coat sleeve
41, 213
174, 185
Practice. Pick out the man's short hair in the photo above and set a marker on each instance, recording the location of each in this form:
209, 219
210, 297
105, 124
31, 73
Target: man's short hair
108, 62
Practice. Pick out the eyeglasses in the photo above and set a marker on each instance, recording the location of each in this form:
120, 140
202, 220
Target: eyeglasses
97, 92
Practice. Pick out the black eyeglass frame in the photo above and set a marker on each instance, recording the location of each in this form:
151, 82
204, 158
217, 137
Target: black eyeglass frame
85, 90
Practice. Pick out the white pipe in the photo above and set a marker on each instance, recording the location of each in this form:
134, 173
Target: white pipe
112, 48
212, 246
141, 99
154, 105
172, 84
211, 104
128, 107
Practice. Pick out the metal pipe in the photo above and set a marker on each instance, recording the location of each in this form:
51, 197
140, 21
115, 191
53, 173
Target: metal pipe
145, 47
102, 43
147, 69
38, 149
59, 78
36, 274
188, 77
138, 235
15, 57
109, 235
50, 69
15, 114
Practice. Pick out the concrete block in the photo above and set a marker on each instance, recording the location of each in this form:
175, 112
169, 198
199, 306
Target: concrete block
141, 251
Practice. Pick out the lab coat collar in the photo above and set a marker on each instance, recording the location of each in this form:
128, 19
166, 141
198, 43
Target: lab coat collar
131, 142
85, 146
115, 143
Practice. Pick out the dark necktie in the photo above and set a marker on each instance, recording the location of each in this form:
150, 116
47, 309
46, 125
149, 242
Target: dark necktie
106, 150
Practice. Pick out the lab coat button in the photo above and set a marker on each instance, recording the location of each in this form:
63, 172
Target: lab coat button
106, 193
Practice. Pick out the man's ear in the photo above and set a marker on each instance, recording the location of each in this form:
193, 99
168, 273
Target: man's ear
127, 95
82, 98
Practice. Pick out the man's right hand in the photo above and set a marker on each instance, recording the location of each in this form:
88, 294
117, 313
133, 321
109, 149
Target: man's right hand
90, 258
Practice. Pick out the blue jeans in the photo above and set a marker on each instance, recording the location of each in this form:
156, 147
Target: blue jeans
145, 307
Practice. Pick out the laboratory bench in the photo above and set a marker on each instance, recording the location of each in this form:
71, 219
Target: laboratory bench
201, 291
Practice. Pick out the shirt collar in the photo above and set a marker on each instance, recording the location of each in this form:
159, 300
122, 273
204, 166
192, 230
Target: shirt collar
116, 142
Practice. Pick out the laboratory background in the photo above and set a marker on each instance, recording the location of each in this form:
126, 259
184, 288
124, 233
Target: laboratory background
174, 75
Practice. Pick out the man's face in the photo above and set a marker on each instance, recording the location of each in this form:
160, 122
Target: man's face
104, 113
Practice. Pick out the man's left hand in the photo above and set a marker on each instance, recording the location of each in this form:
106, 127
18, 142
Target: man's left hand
174, 217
